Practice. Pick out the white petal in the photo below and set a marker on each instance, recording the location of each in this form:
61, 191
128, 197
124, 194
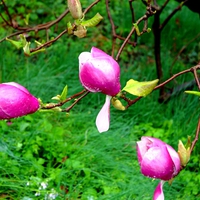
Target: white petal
83, 58
103, 118
158, 193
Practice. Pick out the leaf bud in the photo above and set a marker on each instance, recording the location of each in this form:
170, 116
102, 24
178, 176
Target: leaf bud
117, 104
75, 8
183, 153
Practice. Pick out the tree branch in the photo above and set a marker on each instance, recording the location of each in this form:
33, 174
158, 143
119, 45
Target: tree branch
192, 69
148, 13
37, 27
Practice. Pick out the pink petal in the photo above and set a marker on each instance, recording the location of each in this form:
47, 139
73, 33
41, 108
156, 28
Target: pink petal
154, 141
158, 193
103, 118
17, 86
98, 53
173, 154
141, 150
157, 163
175, 158
97, 75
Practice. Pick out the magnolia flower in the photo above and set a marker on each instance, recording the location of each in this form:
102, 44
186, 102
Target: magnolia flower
99, 72
157, 160
16, 101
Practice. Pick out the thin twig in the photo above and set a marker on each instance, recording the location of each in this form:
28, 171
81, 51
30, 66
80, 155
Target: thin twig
196, 137
49, 42
171, 15
89, 7
4, 20
132, 10
76, 101
50, 106
110, 18
8, 14
163, 6
124, 43
114, 34
182, 49
171, 78
130, 101
112, 26
196, 76
133, 19
11, 35
129, 42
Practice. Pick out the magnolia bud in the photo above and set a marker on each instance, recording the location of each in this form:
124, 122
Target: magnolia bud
16, 101
99, 72
157, 159
75, 8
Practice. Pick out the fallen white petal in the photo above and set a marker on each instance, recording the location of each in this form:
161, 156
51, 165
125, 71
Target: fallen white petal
158, 193
103, 118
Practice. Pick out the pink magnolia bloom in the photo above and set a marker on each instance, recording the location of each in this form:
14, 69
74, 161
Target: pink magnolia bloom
16, 101
99, 72
157, 160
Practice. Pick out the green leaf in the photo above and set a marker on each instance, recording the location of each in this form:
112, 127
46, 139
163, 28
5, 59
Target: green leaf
17, 44
193, 92
26, 20
38, 43
57, 97
23, 43
27, 52
93, 21
140, 89
63, 95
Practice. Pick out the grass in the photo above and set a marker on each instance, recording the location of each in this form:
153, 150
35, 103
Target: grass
67, 154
